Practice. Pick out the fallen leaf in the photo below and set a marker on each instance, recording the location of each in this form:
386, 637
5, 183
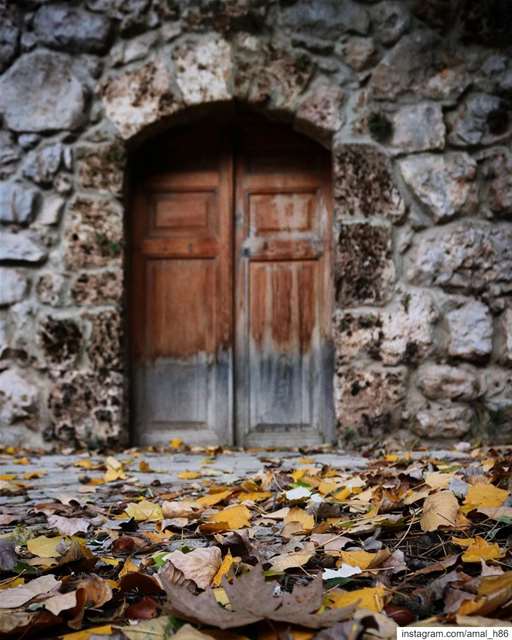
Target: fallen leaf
144, 511
344, 571
254, 496
60, 602
364, 559
161, 628
18, 596
114, 470
189, 475
293, 559
493, 592
484, 495
295, 514
440, 509
223, 570
234, 517
45, 547
299, 493
371, 598
252, 599
104, 630
438, 480
478, 549
144, 609
68, 526
199, 565
8, 557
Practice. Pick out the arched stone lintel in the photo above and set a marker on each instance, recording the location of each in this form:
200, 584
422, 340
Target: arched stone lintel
172, 88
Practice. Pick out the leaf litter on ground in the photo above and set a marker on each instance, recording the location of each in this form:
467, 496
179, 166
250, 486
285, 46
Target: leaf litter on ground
297, 550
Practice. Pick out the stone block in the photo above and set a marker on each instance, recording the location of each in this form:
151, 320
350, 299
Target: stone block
18, 203
71, 28
101, 167
13, 286
443, 382
444, 184
364, 184
439, 422
18, 398
140, 97
320, 115
20, 247
204, 71
105, 348
61, 340
357, 335
40, 92
42, 165
369, 399
418, 127
364, 269
86, 409
326, 19
471, 330
391, 20
481, 119
93, 234
101, 288
466, 258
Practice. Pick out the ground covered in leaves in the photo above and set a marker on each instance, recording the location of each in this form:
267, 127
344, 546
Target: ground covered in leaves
262, 545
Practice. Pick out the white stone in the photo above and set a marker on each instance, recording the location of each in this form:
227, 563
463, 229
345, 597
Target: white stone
204, 71
139, 97
39, 92
439, 421
51, 210
443, 183
471, 330
407, 328
418, 127
13, 286
18, 398
20, 247
441, 381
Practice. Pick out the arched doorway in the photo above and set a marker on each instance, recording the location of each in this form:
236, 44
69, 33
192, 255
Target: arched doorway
230, 286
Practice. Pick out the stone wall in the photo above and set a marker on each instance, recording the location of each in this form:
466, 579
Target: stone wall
412, 96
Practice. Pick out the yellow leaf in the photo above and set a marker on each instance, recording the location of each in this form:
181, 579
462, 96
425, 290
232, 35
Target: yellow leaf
233, 517
8, 476
371, 598
292, 560
342, 494
298, 474
11, 583
175, 443
493, 592
144, 511
478, 549
363, 559
104, 630
144, 467
114, 470
113, 562
391, 457
254, 496
33, 475
189, 475
296, 514
438, 480
439, 510
328, 486
223, 570
85, 464
213, 498
129, 566
484, 494
221, 596
44, 547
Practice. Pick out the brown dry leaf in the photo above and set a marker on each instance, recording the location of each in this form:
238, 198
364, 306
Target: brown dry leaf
438, 480
144, 609
96, 591
253, 599
199, 565
439, 510
17, 596
292, 560
68, 526
492, 593
60, 602
296, 514
231, 518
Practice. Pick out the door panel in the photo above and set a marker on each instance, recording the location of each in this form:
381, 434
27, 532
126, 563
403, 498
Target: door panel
231, 288
182, 308
283, 304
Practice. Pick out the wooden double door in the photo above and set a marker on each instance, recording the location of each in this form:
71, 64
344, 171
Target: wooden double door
230, 288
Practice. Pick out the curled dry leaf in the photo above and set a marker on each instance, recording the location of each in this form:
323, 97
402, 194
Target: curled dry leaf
68, 526
439, 510
199, 565
24, 593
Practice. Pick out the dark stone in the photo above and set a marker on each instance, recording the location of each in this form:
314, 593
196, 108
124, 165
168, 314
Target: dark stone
364, 270
326, 18
71, 28
61, 340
